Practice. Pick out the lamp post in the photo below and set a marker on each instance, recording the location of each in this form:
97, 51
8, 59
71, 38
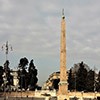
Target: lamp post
7, 47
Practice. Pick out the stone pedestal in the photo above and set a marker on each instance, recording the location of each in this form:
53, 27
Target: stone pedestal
63, 97
62, 88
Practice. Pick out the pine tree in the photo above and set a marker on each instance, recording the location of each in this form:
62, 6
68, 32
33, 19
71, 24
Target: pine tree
81, 78
32, 72
1, 78
90, 81
98, 82
71, 81
22, 73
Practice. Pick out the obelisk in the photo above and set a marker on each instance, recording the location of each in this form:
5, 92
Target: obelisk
63, 85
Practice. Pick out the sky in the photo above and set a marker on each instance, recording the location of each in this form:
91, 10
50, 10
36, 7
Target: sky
33, 29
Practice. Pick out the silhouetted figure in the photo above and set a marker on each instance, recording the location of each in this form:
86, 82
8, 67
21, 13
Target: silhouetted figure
33, 76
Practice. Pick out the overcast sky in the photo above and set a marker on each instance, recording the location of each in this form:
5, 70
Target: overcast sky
32, 27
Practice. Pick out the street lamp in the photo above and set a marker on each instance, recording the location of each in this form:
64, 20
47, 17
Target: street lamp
7, 47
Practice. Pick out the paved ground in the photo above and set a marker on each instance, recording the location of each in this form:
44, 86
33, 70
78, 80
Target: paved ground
33, 98
24, 98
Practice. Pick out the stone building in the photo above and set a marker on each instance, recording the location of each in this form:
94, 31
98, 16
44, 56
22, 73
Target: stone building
49, 83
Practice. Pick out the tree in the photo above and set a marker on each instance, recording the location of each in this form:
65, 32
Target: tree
90, 81
98, 82
22, 73
32, 72
8, 78
71, 81
1, 78
23, 63
81, 78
